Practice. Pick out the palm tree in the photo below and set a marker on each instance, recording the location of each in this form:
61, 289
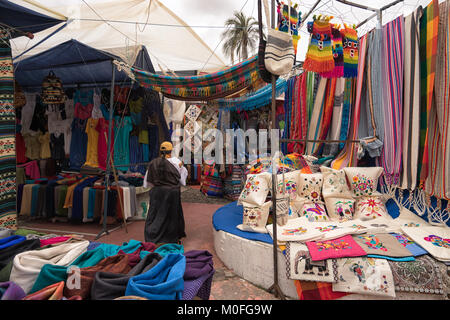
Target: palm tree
240, 36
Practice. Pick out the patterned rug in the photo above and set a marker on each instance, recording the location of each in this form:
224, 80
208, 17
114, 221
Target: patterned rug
8, 216
422, 276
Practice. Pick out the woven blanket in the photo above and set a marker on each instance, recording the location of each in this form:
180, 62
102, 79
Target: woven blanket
209, 86
411, 102
254, 100
316, 118
8, 216
331, 149
429, 24
437, 182
391, 155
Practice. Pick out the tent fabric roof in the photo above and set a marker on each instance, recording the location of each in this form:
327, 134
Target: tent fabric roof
74, 63
24, 19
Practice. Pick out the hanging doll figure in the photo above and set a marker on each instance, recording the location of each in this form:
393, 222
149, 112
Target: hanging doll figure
319, 57
351, 52
295, 21
338, 54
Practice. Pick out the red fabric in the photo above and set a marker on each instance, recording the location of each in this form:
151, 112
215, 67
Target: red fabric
83, 112
31, 169
102, 146
121, 94
20, 148
46, 242
309, 290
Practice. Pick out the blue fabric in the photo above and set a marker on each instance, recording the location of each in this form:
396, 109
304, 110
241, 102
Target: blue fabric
93, 245
391, 258
145, 152
169, 248
413, 247
77, 206
105, 111
122, 131
24, 19
162, 282
72, 61
231, 215
9, 241
78, 144
34, 199
113, 249
91, 203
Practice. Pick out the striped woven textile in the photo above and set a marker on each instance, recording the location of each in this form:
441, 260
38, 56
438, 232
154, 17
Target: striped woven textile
391, 155
310, 96
438, 181
332, 149
210, 86
428, 42
294, 23
254, 100
299, 129
316, 118
348, 156
8, 216
411, 102
328, 110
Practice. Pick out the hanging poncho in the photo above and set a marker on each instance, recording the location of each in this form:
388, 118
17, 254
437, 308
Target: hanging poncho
338, 54
319, 57
351, 52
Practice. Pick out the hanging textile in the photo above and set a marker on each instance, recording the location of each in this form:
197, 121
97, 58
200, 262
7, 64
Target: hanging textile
289, 17
331, 149
438, 180
338, 54
319, 57
428, 47
391, 155
8, 216
328, 110
300, 117
411, 102
316, 117
205, 87
351, 51
347, 157
254, 100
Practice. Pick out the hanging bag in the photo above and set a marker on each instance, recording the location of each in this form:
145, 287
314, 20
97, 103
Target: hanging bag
52, 90
279, 54
264, 74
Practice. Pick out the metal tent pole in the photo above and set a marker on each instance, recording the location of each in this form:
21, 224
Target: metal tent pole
275, 288
108, 157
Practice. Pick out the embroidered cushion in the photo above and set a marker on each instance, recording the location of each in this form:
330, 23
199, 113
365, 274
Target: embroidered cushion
434, 239
337, 248
256, 189
340, 209
368, 208
365, 276
297, 229
290, 183
363, 181
310, 187
314, 212
334, 183
255, 218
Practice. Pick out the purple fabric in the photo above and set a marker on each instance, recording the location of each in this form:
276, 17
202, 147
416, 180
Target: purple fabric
11, 291
198, 274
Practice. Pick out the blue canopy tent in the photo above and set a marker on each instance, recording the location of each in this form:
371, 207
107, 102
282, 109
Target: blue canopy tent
24, 21
80, 65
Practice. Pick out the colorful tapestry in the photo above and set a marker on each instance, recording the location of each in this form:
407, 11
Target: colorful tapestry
338, 54
351, 51
438, 179
205, 87
422, 276
391, 154
8, 216
429, 24
382, 244
319, 57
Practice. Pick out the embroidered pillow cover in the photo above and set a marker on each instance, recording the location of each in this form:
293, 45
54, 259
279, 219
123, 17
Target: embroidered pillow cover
256, 189
290, 184
310, 187
314, 212
299, 265
382, 244
254, 218
409, 244
365, 276
368, 208
434, 239
337, 248
296, 229
335, 183
363, 180
340, 209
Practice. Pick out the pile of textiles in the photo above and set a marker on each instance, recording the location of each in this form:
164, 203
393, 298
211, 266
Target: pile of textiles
36, 266
79, 198
232, 185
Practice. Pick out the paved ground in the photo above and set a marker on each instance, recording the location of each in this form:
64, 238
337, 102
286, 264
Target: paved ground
198, 211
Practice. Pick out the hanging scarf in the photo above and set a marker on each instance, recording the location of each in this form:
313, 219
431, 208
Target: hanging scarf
310, 87
301, 124
319, 57
338, 54
428, 47
351, 51
316, 117
438, 180
294, 19
391, 156
205, 87
411, 102
328, 110
331, 149
348, 156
